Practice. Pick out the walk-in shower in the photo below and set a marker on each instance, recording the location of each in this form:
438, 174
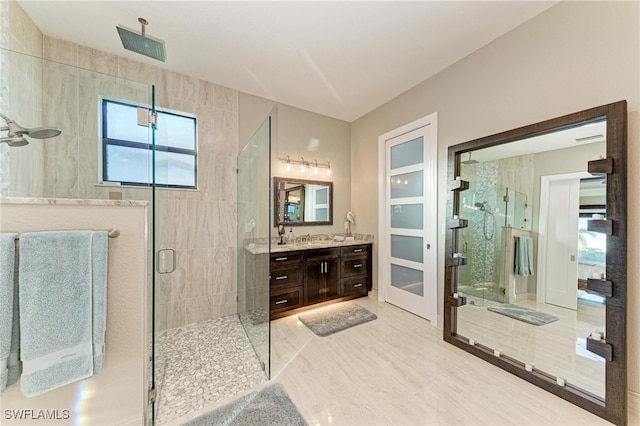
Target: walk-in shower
16, 134
490, 209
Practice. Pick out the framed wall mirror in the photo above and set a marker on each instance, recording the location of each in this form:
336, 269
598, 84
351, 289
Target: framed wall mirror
300, 202
535, 277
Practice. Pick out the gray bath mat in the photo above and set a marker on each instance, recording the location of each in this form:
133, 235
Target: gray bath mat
524, 314
327, 321
268, 406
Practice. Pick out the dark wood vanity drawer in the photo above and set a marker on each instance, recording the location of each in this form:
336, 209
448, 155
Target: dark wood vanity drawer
283, 300
285, 259
355, 250
286, 277
354, 285
353, 266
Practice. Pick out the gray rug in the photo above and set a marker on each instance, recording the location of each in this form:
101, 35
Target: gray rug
524, 314
268, 406
327, 321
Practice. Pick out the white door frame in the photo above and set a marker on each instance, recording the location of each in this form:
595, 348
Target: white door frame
545, 182
431, 200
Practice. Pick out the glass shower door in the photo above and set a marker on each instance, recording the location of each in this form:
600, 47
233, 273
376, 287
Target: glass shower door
254, 235
162, 264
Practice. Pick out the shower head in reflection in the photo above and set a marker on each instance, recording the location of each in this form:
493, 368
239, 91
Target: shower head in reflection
481, 206
16, 133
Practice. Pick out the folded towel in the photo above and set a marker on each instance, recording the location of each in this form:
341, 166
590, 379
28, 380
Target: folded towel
8, 313
523, 258
56, 275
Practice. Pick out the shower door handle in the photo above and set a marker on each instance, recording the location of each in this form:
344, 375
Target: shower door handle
572, 258
166, 261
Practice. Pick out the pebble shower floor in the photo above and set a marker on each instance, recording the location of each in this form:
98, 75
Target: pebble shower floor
202, 363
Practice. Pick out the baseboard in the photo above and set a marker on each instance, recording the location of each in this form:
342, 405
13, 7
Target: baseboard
633, 405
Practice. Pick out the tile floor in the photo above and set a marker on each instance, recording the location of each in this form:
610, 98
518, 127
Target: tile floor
201, 364
397, 370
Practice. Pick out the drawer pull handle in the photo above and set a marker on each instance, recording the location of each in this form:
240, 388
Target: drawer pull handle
280, 259
358, 265
283, 277
357, 285
357, 250
280, 302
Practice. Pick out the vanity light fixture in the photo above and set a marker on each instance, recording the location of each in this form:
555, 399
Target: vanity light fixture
304, 165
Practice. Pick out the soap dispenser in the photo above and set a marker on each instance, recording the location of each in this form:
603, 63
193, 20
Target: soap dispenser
291, 239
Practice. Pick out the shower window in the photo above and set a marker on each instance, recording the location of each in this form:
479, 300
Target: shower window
126, 151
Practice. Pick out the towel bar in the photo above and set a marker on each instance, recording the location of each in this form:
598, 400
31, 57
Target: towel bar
113, 233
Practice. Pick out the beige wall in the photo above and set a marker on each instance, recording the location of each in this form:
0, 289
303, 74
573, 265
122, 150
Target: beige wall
299, 133
574, 56
117, 394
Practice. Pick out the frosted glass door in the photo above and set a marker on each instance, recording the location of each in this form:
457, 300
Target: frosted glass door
411, 228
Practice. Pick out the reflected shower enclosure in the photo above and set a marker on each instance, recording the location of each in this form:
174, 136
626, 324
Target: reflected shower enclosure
492, 209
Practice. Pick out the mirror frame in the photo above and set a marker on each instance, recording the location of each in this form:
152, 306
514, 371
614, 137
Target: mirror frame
614, 406
276, 184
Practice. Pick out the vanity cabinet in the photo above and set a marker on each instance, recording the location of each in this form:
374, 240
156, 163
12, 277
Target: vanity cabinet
301, 278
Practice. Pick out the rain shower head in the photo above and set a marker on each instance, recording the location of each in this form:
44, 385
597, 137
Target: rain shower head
142, 43
16, 133
469, 160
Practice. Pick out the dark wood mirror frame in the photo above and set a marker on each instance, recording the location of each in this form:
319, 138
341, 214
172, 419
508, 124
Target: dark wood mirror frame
276, 200
614, 407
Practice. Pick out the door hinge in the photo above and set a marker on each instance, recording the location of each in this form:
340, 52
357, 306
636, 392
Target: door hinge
152, 396
147, 117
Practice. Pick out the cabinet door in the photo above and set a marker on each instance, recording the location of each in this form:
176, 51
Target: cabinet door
331, 279
320, 281
313, 282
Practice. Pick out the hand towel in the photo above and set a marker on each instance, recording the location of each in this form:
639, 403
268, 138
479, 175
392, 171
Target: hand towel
523, 258
56, 317
8, 313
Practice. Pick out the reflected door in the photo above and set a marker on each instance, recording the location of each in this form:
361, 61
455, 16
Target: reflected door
410, 237
561, 242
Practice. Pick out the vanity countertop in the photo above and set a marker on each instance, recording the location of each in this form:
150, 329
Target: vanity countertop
275, 248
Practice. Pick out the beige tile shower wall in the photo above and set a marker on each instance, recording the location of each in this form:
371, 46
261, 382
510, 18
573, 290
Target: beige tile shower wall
199, 224
20, 99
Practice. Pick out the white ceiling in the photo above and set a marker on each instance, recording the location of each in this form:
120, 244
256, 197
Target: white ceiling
340, 59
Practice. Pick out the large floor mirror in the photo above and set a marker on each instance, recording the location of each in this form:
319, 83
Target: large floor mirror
536, 255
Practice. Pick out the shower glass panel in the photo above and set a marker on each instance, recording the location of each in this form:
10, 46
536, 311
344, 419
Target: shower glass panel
37, 92
254, 234
516, 209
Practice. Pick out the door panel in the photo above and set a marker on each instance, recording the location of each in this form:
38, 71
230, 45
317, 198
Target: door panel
410, 229
561, 274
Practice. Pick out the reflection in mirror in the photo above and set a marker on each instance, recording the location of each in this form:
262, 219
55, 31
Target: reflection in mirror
529, 311
536, 278
302, 202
